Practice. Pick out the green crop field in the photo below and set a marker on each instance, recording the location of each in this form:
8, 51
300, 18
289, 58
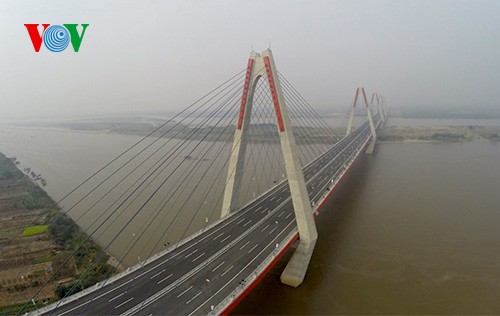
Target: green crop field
35, 230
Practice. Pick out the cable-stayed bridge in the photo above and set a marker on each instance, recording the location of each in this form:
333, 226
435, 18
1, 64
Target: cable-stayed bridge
227, 187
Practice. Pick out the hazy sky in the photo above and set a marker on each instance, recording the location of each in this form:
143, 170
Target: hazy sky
145, 56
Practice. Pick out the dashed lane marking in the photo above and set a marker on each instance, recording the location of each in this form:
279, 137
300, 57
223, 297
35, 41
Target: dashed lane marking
118, 306
191, 253
227, 270
226, 238
249, 251
198, 257
154, 276
217, 267
192, 298
245, 245
189, 288
168, 276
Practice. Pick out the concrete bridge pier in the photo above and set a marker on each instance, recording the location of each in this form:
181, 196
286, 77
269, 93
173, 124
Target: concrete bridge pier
295, 270
371, 147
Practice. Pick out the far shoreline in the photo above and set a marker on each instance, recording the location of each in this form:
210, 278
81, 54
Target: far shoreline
438, 134
407, 131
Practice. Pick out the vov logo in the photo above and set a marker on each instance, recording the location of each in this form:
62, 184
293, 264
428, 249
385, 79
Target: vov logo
56, 37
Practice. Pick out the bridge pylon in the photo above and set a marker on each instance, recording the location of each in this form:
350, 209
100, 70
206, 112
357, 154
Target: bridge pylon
263, 67
361, 91
377, 97
384, 108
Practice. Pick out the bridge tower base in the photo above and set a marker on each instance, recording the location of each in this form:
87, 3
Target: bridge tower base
295, 270
263, 66
371, 147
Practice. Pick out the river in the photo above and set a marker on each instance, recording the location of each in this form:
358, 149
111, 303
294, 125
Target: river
412, 230
161, 196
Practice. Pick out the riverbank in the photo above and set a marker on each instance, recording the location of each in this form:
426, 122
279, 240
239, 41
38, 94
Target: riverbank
36, 240
403, 134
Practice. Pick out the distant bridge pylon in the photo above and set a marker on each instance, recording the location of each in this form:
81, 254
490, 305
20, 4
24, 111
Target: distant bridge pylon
361, 91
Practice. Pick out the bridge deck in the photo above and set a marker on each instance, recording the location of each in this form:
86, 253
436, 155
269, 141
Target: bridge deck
211, 271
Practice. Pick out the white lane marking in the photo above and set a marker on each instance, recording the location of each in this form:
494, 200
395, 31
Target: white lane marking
247, 223
148, 303
189, 254
226, 238
198, 257
263, 229
145, 272
118, 306
114, 298
290, 214
278, 199
272, 198
141, 274
281, 214
154, 276
241, 220
218, 236
249, 251
253, 260
259, 208
272, 230
78, 306
217, 267
168, 276
194, 297
266, 209
245, 245
227, 271
189, 288
113, 289
159, 264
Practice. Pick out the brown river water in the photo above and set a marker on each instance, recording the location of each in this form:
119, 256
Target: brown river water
413, 229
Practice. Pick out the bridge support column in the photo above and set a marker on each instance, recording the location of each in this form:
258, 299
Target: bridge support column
263, 66
238, 150
383, 108
296, 268
353, 110
371, 145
